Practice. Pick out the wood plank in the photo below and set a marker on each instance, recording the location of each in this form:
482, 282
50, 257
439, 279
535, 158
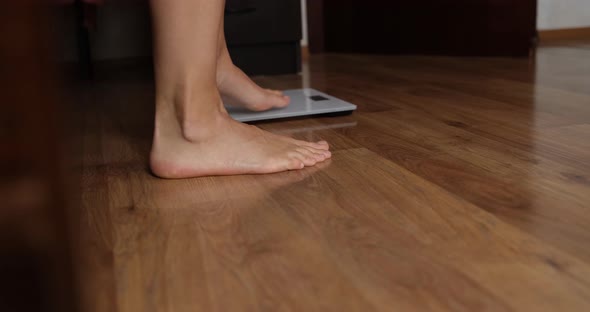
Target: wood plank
551, 35
449, 190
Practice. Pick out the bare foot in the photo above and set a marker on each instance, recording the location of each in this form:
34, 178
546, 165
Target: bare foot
237, 89
225, 147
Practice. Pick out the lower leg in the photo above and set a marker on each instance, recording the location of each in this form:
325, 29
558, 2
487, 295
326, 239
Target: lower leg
193, 136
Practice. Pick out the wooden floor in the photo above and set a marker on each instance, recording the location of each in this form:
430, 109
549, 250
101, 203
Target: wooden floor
460, 184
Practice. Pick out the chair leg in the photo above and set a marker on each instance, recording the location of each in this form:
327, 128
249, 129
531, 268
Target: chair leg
83, 38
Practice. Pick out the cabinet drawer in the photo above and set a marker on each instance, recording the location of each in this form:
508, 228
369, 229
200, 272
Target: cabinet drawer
264, 21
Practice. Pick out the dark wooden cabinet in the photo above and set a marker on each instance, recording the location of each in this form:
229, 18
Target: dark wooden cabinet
447, 27
36, 263
264, 36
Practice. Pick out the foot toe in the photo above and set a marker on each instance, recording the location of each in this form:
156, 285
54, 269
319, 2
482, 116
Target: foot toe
276, 92
305, 156
323, 144
295, 164
311, 153
316, 145
308, 160
320, 155
279, 100
326, 155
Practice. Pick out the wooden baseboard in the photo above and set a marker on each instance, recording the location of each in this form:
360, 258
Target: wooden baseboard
564, 34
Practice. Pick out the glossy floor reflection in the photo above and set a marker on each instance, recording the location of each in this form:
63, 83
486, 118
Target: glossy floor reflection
460, 184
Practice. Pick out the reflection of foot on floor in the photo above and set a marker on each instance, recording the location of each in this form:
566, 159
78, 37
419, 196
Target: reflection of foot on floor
238, 90
218, 145
239, 188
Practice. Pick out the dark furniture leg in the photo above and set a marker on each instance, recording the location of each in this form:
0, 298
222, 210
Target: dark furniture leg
83, 38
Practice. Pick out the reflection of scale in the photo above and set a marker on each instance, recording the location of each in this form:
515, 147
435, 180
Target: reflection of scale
304, 102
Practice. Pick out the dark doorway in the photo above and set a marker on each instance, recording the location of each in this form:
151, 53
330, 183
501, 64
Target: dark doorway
445, 27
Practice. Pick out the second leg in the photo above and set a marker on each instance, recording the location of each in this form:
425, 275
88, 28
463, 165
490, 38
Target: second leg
237, 89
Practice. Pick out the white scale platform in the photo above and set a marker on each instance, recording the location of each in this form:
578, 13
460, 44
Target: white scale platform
304, 102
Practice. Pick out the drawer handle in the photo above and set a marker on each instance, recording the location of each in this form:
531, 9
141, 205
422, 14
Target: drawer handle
239, 6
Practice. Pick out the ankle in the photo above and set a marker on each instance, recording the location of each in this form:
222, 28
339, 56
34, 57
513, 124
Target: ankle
200, 130
224, 65
193, 126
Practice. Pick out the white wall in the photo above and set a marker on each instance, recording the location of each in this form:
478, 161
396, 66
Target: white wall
556, 14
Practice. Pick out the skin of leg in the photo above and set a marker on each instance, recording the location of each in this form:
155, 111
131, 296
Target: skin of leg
237, 89
193, 135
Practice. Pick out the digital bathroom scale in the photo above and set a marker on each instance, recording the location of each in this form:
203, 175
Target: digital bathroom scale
304, 102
